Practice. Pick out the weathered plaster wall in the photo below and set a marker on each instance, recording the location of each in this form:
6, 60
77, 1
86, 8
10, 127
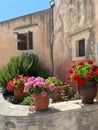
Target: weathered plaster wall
70, 16
7, 45
39, 23
96, 31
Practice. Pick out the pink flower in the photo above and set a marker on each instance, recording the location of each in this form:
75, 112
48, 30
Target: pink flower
30, 79
51, 87
38, 79
39, 84
27, 84
33, 96
32, 108
25, 90
53, 78
43, 93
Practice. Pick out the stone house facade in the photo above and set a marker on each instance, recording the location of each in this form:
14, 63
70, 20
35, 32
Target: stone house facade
75, 24
39, 24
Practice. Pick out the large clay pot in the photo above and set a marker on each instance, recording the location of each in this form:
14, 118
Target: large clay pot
96, 98
88, 92
41, 103
57, 92
18, 93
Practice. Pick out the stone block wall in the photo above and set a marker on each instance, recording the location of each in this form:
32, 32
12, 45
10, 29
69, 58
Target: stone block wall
70, 115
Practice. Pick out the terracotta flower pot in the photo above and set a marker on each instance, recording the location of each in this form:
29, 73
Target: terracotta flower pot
96, 98
88, 92
18, 93
57, 92
41, 103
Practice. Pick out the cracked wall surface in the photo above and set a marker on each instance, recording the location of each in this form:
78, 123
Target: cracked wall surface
70, 18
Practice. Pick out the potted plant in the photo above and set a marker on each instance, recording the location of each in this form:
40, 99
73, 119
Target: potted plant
16, 85
59, 87
84, 75
39, 90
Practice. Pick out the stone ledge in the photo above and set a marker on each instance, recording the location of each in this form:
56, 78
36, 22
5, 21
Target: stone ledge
59, 116
9, 109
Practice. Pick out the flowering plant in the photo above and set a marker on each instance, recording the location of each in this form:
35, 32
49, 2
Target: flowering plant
16, 83
38, 85
54, 80
83, 72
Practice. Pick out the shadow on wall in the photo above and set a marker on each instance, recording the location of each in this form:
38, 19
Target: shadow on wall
63, 68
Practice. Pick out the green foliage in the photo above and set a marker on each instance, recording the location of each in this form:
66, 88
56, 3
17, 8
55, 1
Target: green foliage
55, 80
83, 70
15, 101
4, 76
67, 94
12, 67
28, 101
24, 101
26, 64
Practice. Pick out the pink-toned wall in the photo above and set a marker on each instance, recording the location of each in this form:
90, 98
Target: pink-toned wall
7, 46
70, 17
40, 24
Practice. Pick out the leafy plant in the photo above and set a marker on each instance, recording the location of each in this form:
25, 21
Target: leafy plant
67, 94
15, 101
83, 72
26, 64
16, 83
28, 101
36, 86
56, 81
4, 76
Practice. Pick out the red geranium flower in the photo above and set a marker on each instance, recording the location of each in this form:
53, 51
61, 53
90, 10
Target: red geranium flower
91, 72
16, 83
73, 66
90, 61
83, 72
68, 76
76, 76
96, 72
70, 71
88, 77
80, 63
